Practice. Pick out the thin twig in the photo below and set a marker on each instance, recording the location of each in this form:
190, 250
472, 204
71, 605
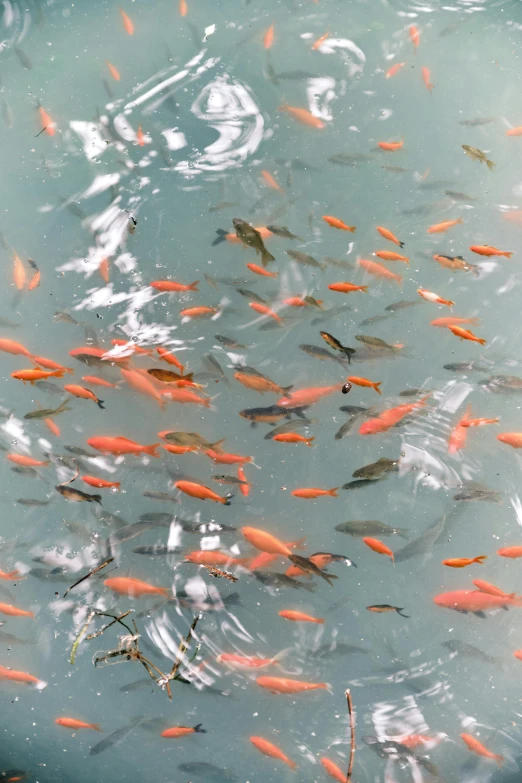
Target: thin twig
43, 129
94, 571
182, 649
79, 638
352, 736
115, 620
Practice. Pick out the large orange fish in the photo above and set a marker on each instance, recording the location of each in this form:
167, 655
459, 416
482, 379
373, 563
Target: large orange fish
246, 663
49, 364
14, 611
175, 732
199, 312
513, 552
440, 228
292, 437
212, 557
462, 562
81, 391
514, 131
268, 39
183, 7
11, 576
474, 601
333, 770
459, 434
488, 250
19, 676
167, 356
74, 723
309, 396
259, 270
271, 181
391, 417
271, 750
513, 439
201, 492
121, 445
303, 116
10, 346
466, 334
284, 685
126, 585
378, 270
265, 310
384, 232
171, 286
140, 382
127, 22
26, 462
447, 321
429, 296
389, 255
414, 36
391, 146
477, 747
336, 223
94, 481
224, 458
19, 275
185, 397
347, 288
487, 587
394, 70
265, 542
33, 375
93, 380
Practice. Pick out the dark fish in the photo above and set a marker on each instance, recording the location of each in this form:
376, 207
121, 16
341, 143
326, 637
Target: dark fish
8, 638
27, 472
206, 528
341, 263
114, 738
333, 342
268, 415
191, 439
73, 208
215, 367
210, 772
47, 386
275, 580
422, 544
45, 575
356, 409
426, 209
251, 295
375, 319
32, 502
381, 608
222, 205
66, 318
344, 429
222, 479
469, 651
399, 306
281, 231
250, 237
78, 451
412, 392
320, 353
370, 528
229, 343
395, 169
358, 484
24, 59
375, 343
509, 384
7, 324
466, 367
477, 122
309, 567
163, 497
46, 413
456, 196
290, 426
305, 259
349, 159
80, 530
76, 495
329, 650
271, 72
471, 495
376, 470
156, 550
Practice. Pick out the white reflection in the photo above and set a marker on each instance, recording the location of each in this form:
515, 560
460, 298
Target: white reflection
322, 87
355, 63
175, 139
91, 135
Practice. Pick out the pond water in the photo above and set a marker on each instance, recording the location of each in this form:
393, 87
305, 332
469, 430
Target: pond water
141, 144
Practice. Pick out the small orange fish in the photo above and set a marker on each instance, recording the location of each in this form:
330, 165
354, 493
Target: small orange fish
389, 255
25, 461
284, 685
391, 146
394, 70
183, 7
389, 235
53, 427
212, 557
103, 270
308, 396
140, 137
265, 542
311, 493
73, 723
514, 131
333, 770
259, 270
168, 357
426, 78
95, 381
489, 250
222, 458
126, 585
48, 125
487, 587
269, 36
265, 310
271, 181
171, 286
175, 732
465, 334
120, 446
100, 483
390, 417
246, 663
477, 747
11, 576
198, 312
35, 280
297, 301
513, 552
303, 116
346, 288
445, 322
429, 296
14, 611
379, 547
30, 376
479, 422
49, 364
127, 22
365, 382
462, 562
459, 434
414, 36
185, 397
19, 676
19, 275
85, 394
200, 491
173, 449
440, 228
320, 41
16, 349
336, 223
245, 487
113, 71
272, 751
292, 437
300, 617
378, 270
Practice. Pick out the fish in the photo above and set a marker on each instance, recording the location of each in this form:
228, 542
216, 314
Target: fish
469, 367
414, 34
300, 617
477, 122
509, 384
120, 446
156, 550
175, 732
250, 237
304, 116
474, 601
292, 437
289, 426
329, 650
480, 750
457, 196
349, 159
441, 228
75, 724
272, 751
9, 638
278, 581
283, 232
333, 342
423, 543
193, 439
253, 379
24, 59
251, 295
307, 565
389, 749
489, 251
335, 222
347, 288
222, 205
456, 262
466, 650
320, 353
376, 470
305, 260
466, 334
209, 772
287, 686
393, 70
376, 343
380, 608
377, 546
476, 154
429, 296
34, 502
45, 413
343, 430
396, 306
378, 270
462, 562
115, 737
470, 495
163, 497
230, 343
76, 495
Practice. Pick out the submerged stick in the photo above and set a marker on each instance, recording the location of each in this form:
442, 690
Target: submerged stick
94, 571
182, 649
352, 736
79, 638
114, 620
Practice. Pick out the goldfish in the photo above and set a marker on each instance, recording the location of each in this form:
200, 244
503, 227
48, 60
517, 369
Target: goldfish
127, 22
487, 587
455, 262
317, 44
292, 437
303, 116
34, 282
391, 146
183, 7
81, 391
49, 364
389, 255
93, 481
140, 382
300, 617
465, 334
271, 750
95, 381
429, 296
134, 588
74, 723
168, 357
255, 380
48, 125
245, 663
378, 546
19, 274
462, 562
378, 270
385, 608
333, 770
11, 576
510, 551
201, 492
30, 376
268, 39
417, 740
481, 422
140, 138
173, 449
474, 600
265, 542
394, 70
103, 270
183, 396
311, 493
198, 312
513, 439
265, 310
346, 288
414, 36
211, 557
170, 286
271, 181
391, 417
297, 301
121, 445
19, 676
489, 250
515, 131
458, 435
10, 346
113, 71
175, 732
336, 223
259, 270
477, 747
244, 488
388, 235
444, 322
304, 397
426, 78
365, 383
284, 685
440, 228
26, 462
224, 458
14, 611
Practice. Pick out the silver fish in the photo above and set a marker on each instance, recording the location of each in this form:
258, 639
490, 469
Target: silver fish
114, 738
370, 528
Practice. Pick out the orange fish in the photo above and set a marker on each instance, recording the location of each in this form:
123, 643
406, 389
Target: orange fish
518, 654
389, 418
212, 557
93, 481
120, 445
224, 458
141, 382
95, 381
514, 131
477, 747
303, 116
510, 551
346, 288
292, 437
198, 312
414, 36
113, 71
140, 137
245, 663
183, 396
175, 732
394, 70
18, 676
134, 588
268, 39
447, 321
417, 740
459, 434
283, 685
168, 357
300, 617
34, 282
389, 255
172, 286
440, 228
429, 296
305, 397
200, 491
264, 310
173, 449
26, 462
296, 301
48, 125
259, 270
271, 182
14, 611
265, 542
311, 493
49, 364
513, 439
103, 270
378, 270
365, 382
19, 275
262, 561
333, 770
388, 235
10, 346
465, 334
462, 562
85, 394
481, 422
271, 750
378, 546
426, 78
127, 22
391, 146
73, 723
487, 587
336, 223
489, 250
320, 41
52, 426
245, 487
11, 576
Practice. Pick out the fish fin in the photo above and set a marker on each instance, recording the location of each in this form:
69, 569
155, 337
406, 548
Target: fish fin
400, 610
508, 255
333, 492
152, 450
490, 164
401, 244
100, 404
282, 654
216, 446
96, 727
286, 389
193, 286
220, 237
199, 730
482, 615
309, 442
480, 559
227, 499
402, 532
482, 341
97, 499
499, 759
376, 387
58, 373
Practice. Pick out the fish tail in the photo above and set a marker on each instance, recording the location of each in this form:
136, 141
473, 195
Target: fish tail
352, 228
309, 441
450, 303
474, 321
300, 544
480, 559
217, 445
482, 341
164, 591
95, 726
292, 764
266, 257
491, 166
363, 287
508, 255
221, 234
402, 532
100, 404
193, 286
287, 389
152, 450
58, 373
333, 492
283, 107
226, 500
97, 499
376, 387
498, 758
400, 610
398, 279
401, 244
199, 730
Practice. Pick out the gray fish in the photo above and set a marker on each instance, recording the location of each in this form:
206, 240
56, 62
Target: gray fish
76, 495
32, 502
296, 75
156, 550
271, 73
456, 196
275, 580
344, 429
223, 205
356, 409
106, 518
206, 528
471, 495
376, 470
250, 237
412, 392
66, 318
251, 295
422, 544
210, 772
394, 750
8, 638
296, 164
47, 386
321, 353
395, 169
210, 280
163, 497
114, 738
469, 651
349, 159
375, 342
45, 575
77, 529
393, 308
374, 319
358, 484
309, 567
7, 324
341, 263
435, 184
24, 59
229, 343
424, 209
508, 384
7, 114
215, 367
78, 451
370, 528
223, 479
477, 122
27, 472
329, 650
133, 531
281, 231
46, 413
290, 426
305, 259
466, 367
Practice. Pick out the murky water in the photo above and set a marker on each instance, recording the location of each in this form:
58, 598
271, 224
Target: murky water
156, 128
